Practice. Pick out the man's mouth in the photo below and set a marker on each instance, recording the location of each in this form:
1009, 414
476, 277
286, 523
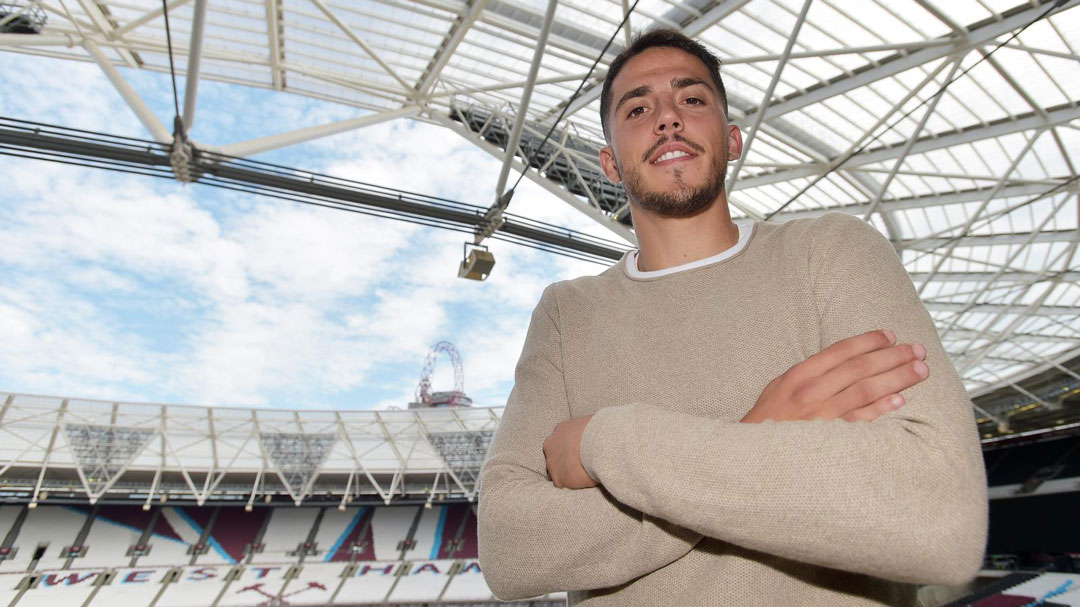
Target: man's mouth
672, 155
672, 149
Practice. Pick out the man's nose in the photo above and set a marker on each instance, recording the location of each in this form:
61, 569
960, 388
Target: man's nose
667, 119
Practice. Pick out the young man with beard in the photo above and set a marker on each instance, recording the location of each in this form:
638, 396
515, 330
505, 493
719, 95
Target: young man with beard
736, 414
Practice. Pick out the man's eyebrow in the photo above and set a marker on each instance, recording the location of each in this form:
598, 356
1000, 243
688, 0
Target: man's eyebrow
640, 91
681, 83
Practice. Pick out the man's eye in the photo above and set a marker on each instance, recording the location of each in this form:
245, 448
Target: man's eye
694, 100
637, 111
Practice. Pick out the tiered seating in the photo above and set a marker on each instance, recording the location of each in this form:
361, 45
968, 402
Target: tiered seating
371, 582
440, 562
131, 587
389, 527
315, 584
170, 540
235, 531
113, 527
457, 537
288, 528
61, 588
47, 530
196, 586
353, 541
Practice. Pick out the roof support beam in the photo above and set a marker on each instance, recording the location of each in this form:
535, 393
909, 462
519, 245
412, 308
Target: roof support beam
16, 40
948, 306
344, 27
1028, 122
148, 17
952, 243
273, 142
449, 46
691, 29
526, 97
273, 17
191, 88
1021, 238
875, 204
107, 30
502, 86
978, 35
1006, 277
142, 111
792, 37
936, 200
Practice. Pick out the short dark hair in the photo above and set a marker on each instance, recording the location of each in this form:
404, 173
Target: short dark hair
662, 37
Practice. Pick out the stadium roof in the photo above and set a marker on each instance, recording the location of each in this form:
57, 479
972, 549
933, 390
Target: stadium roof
145, 452
953, 127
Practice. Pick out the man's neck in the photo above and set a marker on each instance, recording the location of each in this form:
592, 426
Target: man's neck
664, 242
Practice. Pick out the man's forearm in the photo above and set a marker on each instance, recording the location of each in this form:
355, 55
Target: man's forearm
536, 539
893, 498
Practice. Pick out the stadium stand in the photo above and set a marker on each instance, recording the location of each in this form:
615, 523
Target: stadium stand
225, 556
287, 531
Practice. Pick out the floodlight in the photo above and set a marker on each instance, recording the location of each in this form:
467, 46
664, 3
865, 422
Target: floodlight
477, 263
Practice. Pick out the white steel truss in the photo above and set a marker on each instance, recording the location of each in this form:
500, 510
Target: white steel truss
976, 185
99, 449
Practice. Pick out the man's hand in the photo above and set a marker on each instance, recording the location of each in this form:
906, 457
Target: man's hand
562, 450
857, 379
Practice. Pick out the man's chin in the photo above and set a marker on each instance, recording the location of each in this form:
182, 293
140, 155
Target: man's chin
676, 205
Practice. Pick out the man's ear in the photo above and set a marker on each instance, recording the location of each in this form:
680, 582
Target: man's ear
734, 142
608, 164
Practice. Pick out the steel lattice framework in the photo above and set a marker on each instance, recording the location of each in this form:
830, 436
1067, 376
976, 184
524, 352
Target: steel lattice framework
147, 452
975, 186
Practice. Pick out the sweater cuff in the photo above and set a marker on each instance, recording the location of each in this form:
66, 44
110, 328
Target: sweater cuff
596, 441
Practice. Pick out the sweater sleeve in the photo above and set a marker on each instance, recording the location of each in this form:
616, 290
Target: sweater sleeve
902, 497
535, 538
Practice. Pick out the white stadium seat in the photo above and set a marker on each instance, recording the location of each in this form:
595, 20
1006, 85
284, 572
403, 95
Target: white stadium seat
135, 587
61, 588
288, 528
51, 527
196, 586
424, 582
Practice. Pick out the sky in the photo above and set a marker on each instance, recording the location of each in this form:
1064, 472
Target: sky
130, 288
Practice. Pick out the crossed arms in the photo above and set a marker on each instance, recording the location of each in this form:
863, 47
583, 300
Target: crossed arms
902, 497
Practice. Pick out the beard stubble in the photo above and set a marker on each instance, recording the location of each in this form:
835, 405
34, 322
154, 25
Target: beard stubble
683, 200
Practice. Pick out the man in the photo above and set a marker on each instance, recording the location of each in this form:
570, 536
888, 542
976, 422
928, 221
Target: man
673, 439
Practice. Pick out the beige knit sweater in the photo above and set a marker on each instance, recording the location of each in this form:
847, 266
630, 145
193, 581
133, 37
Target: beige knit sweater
696, 508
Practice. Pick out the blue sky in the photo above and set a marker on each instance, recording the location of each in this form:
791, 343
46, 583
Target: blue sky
131, 288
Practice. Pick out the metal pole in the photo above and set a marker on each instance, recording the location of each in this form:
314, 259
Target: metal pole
526, 96
147, 117
191, 89
760, 115
273, 142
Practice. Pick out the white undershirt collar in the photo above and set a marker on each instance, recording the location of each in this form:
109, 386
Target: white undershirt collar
746, 228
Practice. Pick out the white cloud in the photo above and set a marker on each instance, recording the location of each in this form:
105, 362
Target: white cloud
124, 287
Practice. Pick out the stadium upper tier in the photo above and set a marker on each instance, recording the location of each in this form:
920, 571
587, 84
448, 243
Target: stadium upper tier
85, 448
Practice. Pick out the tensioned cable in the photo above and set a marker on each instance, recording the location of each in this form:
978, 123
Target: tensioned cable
566, 106
889, 127
172, 68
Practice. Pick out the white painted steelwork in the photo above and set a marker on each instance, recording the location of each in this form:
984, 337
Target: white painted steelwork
975, 186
